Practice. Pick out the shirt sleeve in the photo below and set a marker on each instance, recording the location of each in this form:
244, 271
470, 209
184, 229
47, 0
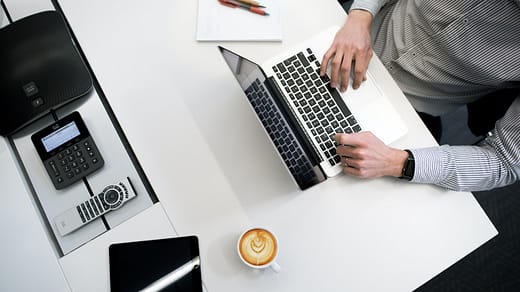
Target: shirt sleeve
372, 6
494, 163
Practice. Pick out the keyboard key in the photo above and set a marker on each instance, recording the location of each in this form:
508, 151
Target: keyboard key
326, 110
303, 60
324, 137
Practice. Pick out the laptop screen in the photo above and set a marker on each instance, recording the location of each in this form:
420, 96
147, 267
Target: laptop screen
274, 116
245, 71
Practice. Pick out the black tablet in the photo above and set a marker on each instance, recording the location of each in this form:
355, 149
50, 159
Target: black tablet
137, 265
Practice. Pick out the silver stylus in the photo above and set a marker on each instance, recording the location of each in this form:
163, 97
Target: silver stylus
173, 276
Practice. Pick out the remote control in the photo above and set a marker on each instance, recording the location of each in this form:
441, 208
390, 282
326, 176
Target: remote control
111, 198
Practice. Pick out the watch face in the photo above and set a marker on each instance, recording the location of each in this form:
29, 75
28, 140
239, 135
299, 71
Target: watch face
409, 167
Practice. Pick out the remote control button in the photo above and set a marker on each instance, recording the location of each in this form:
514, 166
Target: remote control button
124, 188
98, 204
84, 209
94, 207
101, 198
111, 196
81, 214
89, 208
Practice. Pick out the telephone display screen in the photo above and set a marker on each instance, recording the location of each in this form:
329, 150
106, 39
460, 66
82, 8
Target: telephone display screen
61, 136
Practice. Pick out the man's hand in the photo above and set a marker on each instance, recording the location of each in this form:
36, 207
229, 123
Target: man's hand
364, 155
351, 45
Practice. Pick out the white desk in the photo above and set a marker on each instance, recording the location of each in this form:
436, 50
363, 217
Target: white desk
216, 173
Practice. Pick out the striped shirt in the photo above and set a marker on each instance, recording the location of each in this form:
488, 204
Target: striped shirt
444, 54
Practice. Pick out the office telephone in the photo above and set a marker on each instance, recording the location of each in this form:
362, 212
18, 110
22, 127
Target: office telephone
67, 150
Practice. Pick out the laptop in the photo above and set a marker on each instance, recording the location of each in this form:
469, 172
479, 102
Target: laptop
301, 113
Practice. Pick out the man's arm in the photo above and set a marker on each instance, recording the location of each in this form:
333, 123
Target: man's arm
364, 155
494, 164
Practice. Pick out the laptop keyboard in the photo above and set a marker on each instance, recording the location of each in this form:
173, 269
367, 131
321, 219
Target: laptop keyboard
321, 107
280, 133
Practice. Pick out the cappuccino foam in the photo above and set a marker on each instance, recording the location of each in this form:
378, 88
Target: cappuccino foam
258, 247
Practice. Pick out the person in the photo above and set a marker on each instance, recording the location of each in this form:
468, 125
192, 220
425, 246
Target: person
443, 55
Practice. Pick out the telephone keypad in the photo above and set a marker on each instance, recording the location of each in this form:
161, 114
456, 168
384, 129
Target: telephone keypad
74, 162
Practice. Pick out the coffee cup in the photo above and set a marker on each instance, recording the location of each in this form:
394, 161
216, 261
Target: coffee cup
258, 249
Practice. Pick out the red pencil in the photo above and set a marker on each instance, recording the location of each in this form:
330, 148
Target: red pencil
235, 4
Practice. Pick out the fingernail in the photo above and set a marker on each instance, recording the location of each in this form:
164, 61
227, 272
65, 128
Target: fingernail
333, 85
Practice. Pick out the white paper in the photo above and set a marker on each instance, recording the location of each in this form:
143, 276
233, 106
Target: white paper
217, 22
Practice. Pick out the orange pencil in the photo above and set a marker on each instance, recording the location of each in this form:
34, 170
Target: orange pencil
235, 4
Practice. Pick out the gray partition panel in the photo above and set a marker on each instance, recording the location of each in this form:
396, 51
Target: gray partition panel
118, 166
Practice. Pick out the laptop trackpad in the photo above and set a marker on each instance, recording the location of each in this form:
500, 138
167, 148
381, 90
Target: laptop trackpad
374, 111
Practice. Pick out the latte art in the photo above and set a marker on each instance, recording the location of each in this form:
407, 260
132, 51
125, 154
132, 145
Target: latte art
258, 247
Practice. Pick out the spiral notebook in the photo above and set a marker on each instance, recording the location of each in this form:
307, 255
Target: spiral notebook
217, 22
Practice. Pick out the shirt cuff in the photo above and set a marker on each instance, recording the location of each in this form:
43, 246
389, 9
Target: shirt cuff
428, 164
367, 5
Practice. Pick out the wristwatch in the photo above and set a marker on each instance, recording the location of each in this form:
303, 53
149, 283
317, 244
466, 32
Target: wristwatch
409, 167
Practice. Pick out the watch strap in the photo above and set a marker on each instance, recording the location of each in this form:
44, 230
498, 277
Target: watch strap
408, 167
